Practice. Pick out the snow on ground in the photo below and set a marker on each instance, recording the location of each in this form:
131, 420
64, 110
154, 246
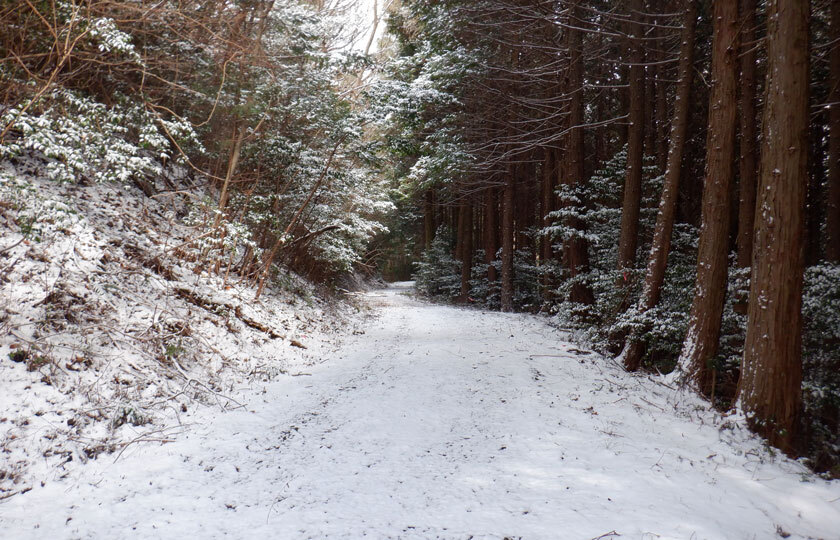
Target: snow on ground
115, 330
443, 422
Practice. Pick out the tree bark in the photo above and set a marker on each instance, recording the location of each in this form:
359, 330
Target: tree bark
747, 162
629, 238
428, 218
466, 234
815, 199
491, 245
661, 244
507, 241
576, 250
771, 371
701, 342
832, 249
547, 202
662, 145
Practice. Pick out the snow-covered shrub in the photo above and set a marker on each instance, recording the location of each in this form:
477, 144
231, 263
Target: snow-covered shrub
438, 273
663, 328
486, 293
526, 281
821, 364
733, 326
80, 137
110, 39
35, 215
614, 314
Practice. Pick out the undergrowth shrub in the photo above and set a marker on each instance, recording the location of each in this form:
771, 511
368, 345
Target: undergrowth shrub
81, 138
438, 273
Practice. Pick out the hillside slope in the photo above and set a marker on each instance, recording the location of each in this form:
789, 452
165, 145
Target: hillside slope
114, 329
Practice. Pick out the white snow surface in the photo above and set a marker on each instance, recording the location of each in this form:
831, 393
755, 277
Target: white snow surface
443, 422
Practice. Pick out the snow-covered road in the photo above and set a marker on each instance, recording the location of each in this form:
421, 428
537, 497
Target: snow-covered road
441, 422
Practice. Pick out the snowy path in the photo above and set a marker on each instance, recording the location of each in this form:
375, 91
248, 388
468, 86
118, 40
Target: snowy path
444, 423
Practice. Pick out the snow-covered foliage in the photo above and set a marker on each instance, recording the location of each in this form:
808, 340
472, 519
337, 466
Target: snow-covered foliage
597, 205
438, 274
265, 100
821, 364
80, 137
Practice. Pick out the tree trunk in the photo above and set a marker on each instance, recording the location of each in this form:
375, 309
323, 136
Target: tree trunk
661, 244
662, 145
771, 372
832, 248
458, 231
629, 238
576, 250
815, 200
466, 234
491, 226
428, 218
507, 242
747, 162
547, 202
701, 341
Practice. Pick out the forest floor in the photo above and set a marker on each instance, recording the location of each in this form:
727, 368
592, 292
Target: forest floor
443, 422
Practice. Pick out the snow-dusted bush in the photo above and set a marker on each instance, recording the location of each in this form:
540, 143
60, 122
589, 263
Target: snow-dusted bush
482, 290
438, 273
821, 364
35, 215
79, 137
597, 206
527, 283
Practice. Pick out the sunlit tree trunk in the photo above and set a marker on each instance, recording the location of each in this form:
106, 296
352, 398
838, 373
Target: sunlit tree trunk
701, 342
771, 372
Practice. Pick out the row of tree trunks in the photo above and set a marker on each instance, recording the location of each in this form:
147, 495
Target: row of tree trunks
772, 189
661, 244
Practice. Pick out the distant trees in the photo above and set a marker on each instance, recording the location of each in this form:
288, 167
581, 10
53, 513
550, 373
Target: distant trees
548, 120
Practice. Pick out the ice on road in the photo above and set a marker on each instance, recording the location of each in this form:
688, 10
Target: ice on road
444, 422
